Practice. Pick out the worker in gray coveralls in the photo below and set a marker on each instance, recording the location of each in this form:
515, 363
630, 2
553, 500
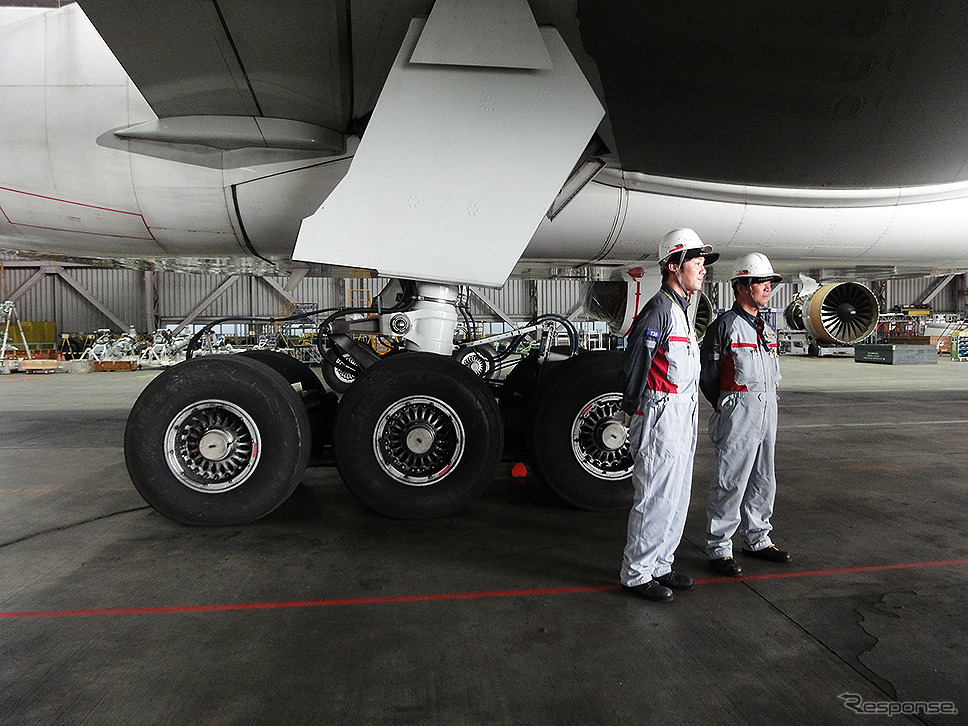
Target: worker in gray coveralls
740, 374
660, 374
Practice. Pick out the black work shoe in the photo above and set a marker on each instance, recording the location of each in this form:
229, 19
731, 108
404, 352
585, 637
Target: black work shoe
770, 554
675, 581
726, 566
651, 590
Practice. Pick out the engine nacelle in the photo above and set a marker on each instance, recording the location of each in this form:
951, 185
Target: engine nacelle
840, 312
617, 302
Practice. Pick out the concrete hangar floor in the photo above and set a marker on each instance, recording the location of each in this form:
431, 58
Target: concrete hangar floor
509, 613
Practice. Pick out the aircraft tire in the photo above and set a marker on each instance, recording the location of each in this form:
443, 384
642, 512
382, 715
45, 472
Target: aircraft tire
418, 436
217, 440
293, 370
576, 450
320, 404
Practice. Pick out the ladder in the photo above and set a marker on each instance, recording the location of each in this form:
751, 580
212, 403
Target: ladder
9, 311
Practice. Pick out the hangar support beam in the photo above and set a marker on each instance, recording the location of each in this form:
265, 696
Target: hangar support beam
48, 268
936, 287
200, 308
219, 291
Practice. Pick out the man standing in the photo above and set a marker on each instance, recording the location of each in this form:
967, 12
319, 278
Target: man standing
740, 373
660, 371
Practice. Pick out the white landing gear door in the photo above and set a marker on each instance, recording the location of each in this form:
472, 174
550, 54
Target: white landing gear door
459, 163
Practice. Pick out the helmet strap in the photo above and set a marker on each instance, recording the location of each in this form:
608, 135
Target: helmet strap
678, 272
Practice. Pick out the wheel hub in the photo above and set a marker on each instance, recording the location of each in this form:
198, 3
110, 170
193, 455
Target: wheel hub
600, 444
212, 446
215, 445
612, 436
418, 440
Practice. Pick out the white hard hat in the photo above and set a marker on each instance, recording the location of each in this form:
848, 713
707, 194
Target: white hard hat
754, 266
680, 245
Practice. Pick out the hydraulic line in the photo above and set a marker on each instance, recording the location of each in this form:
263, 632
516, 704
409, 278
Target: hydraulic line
340, 361
205, 330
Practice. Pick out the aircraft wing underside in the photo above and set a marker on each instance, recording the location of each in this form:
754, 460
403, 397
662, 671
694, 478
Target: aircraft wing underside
850, 95
191, 58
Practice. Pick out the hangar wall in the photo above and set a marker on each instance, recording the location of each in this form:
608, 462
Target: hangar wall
85, 299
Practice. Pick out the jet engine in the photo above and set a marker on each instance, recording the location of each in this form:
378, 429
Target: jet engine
842, 312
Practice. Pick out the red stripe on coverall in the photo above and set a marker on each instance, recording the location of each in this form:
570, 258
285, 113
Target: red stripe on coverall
658, 378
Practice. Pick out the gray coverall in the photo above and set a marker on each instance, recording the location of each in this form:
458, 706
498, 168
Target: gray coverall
740, 373
660, 371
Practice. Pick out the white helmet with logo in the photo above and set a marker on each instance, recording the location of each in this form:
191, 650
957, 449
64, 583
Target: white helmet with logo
754, 266
683, 244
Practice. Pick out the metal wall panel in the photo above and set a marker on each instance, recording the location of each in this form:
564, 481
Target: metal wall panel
784, 293
37, 303
521, 299
266, 301
323, 292
238, 299
560, 296
123, 291
950, 299
120, 291
906, 291
54, 299
515, 299
358, 291
181, 294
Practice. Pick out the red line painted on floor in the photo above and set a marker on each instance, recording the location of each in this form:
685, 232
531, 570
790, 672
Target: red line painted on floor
462, 595
837, 571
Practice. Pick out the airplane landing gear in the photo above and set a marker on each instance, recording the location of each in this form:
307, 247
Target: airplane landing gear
224, 439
